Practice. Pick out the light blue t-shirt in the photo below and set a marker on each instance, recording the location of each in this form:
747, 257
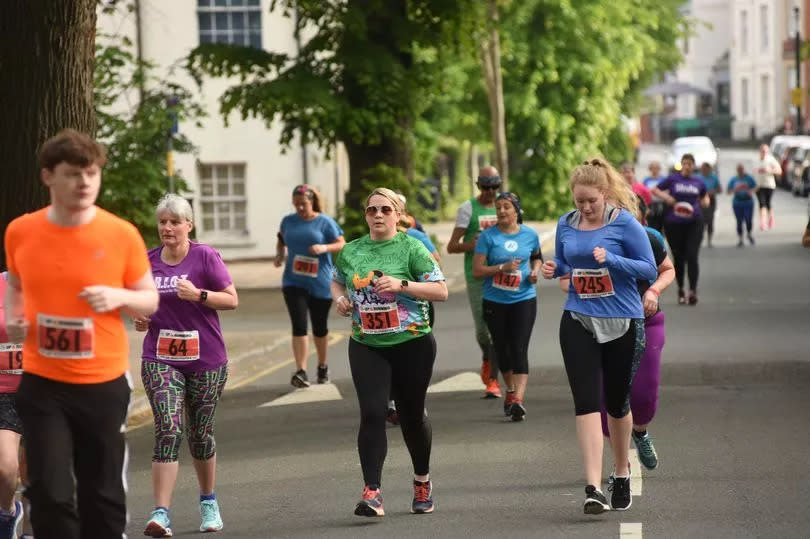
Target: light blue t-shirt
305, 270
741, 187
424, 238
501, 248
650, 182
711, 182
605, 290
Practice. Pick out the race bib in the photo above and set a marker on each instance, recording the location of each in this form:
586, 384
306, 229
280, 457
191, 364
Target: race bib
11, 358
377, 319
178, 345
487, 221
65, 338
305, 265
592, 283
683, 209
507, 280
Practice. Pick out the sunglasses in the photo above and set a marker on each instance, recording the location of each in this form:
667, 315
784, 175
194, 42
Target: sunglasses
489, 187
386, 210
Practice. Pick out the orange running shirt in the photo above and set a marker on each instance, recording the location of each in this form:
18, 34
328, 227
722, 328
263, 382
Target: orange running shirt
67, 341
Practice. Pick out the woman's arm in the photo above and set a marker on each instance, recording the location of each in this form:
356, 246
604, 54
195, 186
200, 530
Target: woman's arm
333, 247
480, 270
639, 262
222, 300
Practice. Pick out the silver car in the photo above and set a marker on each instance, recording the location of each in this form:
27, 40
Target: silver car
701, 147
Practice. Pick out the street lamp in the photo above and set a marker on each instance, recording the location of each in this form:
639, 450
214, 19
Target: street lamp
799, 123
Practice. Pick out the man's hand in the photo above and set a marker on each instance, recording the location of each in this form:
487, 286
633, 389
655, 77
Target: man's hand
187, 291
102, 299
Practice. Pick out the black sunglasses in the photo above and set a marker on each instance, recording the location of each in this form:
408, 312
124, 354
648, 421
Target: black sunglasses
386, 210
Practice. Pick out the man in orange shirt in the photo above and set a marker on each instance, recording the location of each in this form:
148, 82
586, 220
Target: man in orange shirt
72, 269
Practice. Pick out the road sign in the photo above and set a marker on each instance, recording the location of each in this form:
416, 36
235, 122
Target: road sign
797, 97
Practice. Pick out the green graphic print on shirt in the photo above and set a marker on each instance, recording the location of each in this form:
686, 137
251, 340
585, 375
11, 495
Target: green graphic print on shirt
386, 319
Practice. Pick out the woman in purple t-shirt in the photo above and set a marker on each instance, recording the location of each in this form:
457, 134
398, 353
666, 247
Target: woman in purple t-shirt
184, 361
684, 195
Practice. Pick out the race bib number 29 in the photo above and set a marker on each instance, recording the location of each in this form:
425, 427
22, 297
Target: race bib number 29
65, 338
592, 283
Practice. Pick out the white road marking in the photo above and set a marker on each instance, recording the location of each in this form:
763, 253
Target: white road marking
630, 530
636, 479
466, 381
313, 393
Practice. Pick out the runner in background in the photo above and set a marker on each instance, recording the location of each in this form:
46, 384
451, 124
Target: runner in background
474, 216
767, 170
655, 217
309, 238
73, 268
629, 175
713, 188
742, 187
508, 258
185, 366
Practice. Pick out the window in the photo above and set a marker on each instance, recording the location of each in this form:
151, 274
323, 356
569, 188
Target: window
764, 92
743, 32
744, 97
238, 22
223, 202
763, 27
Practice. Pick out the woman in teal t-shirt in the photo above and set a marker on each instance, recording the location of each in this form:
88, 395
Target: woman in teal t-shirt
507, 256
384, 281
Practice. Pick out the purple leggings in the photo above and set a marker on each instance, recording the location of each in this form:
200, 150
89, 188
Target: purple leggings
644, 392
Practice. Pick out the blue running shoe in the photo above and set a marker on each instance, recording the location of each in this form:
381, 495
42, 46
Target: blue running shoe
646, 450
371, 505
211, 521
158, 524
422, 497
10, 523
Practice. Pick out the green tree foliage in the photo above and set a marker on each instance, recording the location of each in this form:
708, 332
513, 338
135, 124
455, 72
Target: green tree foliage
136, 134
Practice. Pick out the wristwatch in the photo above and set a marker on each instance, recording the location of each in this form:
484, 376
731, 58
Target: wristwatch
203, 295
404, 283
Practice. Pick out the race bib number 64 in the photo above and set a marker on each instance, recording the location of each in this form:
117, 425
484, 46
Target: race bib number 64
65, 338
178, 345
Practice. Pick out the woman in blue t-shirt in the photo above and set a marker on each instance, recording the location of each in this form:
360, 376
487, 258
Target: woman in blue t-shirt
309, 237
604, 250
508, 258
743, 187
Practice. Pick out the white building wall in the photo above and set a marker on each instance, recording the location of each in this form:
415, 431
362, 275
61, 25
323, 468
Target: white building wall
169, 31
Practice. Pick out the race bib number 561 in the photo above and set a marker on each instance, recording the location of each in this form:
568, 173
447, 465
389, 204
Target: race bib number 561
592, 283
65, 338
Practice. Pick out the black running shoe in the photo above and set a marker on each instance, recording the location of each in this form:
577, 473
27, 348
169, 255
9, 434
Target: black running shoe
517, 411
595, 501
323, 374
300, 379
620, 498
391, 414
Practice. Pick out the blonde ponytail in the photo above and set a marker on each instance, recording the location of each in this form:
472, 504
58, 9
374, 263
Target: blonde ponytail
600, 174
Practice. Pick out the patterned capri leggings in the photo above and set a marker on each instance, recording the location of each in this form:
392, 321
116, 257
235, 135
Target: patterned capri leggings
170, 392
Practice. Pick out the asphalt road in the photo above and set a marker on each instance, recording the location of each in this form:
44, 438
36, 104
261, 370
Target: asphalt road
732, 429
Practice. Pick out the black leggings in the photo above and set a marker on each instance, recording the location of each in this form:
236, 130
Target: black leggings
298, 303
708, 217
684, 239
406, 369
764, 195
510, 325
593, 367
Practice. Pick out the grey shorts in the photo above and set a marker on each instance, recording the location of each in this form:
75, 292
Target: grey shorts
9, 420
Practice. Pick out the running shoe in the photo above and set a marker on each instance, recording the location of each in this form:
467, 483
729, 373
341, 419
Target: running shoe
646, 450
323, 374
391, 415
693, 298
771, 222
681, 297
740, 242
158, 524
507, 402
371, 505
210, 519
422, 497
612, 476
493, 390
620, 498
10, 523
750, 239
595, 501
300, 379
517, 410
484, 370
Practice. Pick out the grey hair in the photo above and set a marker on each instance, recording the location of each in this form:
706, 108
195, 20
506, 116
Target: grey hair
176, 205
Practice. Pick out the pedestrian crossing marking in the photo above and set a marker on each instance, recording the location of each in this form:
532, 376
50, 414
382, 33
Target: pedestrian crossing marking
636, 479
630, 530
313, 393
466, 381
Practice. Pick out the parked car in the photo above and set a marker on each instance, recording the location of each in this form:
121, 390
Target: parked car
800, 174
701, 147
784, 148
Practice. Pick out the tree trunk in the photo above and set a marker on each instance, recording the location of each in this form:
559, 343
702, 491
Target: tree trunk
47, 50
491, 62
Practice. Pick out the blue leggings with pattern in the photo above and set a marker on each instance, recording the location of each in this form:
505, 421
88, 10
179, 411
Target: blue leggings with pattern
170, 393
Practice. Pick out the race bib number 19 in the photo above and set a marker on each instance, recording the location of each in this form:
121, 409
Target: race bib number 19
11, 358
592, 283
65, 338
178, 345
379, 318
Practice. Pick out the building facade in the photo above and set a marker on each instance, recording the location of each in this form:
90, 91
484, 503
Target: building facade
240, 179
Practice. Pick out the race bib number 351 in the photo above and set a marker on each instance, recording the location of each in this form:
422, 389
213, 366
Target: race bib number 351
380, 318
592, 283
178, 345
11, 358
65, 338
